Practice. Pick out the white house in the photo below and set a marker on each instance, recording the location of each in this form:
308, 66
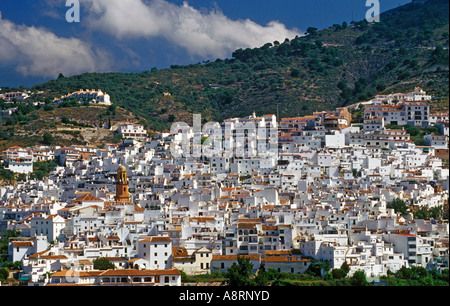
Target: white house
93, 96
10, 96
20, 249
119, 277
437, 141
288, 263
37, 265
417, 250
133, 131
156, 251
18, 160
373, 124
417, 95
51, 226
199, 262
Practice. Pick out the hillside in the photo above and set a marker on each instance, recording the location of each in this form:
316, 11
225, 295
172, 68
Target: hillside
325, 69
78, 125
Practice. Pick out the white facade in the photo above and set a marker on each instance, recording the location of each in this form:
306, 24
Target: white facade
20, 249
18, 160
312, 197
50, 226
93, 96
437, 141
417, 250
10, 96
412, 109
197, 263
133, 131
156, 251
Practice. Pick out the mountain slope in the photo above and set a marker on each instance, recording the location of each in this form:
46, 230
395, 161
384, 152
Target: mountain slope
326, 69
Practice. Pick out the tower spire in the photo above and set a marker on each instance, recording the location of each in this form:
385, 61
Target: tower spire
122, 194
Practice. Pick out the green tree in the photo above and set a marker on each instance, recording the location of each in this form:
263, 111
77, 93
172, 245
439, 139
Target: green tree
312, 31
342, 272
317, 268
185, 278
439, 55
421, 214
416, 276
17, 265
420, 142
412, 130
338, 273
47, 138
171, 118
4, 243
262, 279
359, 279
6, 174
399, 206
240, 273
345, 267
102, 263
4, 274
295, 73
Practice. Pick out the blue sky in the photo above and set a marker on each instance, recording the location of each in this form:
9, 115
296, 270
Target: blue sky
37, 43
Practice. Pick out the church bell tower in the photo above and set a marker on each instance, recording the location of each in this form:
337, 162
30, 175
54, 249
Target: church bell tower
122, 194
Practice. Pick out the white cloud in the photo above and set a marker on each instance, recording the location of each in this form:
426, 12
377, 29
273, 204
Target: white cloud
200, 33
39, 52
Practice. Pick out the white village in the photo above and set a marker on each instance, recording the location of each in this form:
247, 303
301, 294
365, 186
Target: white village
317, 188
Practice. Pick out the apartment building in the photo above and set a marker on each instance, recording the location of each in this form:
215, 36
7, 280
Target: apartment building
418, 112
156, 251
18, 160
132, 131
51, 226
417, 250
437, 141
67, 156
